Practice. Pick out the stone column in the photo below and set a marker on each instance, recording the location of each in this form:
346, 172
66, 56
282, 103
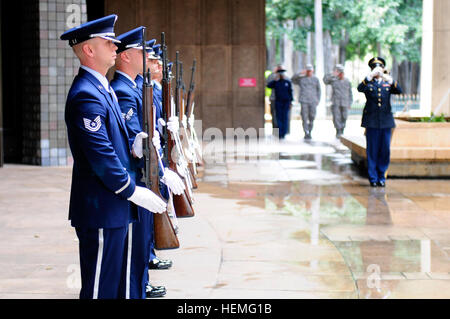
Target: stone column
1, 99
319, 69
435, 66
441, 64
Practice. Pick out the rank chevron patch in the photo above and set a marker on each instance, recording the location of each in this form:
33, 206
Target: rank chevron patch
93, 125
128, 115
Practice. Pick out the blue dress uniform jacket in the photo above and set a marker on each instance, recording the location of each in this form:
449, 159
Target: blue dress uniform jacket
157, 101
283, 100
99, 142
130, 101
377, 112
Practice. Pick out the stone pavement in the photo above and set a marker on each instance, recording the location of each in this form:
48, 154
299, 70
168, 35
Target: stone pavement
273, 220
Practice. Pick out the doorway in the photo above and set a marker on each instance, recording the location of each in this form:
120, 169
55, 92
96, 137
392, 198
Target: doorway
11, 97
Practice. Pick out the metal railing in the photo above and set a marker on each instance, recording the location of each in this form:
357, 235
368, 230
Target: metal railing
399, 103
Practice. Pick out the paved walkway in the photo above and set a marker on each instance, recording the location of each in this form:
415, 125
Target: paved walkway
273, 220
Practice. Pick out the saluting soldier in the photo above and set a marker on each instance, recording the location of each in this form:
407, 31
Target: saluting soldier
309, 97
103, 184
272, 76
283, 100
378, 119
341, 98
129, 64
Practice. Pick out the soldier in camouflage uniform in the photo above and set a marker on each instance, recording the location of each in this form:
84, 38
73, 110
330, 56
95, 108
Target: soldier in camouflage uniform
341, 98
309, 97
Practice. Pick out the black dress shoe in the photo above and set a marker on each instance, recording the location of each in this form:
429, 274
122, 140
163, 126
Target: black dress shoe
373, 184
381, 184
157, 263
154, 291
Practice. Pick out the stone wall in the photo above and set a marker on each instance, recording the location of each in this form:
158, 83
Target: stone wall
228, 40
58, 67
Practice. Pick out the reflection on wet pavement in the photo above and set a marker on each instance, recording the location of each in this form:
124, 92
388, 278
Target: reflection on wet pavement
273, 220
344, 237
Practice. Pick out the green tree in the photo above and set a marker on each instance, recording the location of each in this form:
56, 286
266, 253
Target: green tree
392, 28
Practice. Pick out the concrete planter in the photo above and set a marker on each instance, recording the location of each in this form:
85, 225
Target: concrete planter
417, 149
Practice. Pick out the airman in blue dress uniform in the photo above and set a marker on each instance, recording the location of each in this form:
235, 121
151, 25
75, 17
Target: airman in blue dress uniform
103, 185
378, 119
129, 64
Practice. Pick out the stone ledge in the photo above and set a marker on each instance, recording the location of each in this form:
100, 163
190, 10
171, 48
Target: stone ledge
417, 149
357, 144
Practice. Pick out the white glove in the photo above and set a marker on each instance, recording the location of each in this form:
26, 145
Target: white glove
184, 121
369, 76
161, 122
173, 124
387, 78
156, 140
375, 72
191, 120
379, 70
137, 144
173, 181
182, 168
145, 198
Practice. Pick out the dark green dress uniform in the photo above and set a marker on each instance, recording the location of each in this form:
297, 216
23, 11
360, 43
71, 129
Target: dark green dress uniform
378, 120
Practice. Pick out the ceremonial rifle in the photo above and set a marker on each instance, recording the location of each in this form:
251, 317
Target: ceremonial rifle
189, 127
184, 136
164, 232
195, 145
182, 164
182, 203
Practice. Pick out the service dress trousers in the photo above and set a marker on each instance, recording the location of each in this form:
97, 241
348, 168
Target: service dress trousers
378, 153
282, 112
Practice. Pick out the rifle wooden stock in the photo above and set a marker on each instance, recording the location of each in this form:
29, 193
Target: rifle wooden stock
182, 203
164, 232
191, 171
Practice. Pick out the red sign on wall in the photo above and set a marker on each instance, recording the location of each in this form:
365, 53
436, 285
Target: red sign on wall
247, 82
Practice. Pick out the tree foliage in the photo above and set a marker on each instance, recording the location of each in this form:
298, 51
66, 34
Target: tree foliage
361, 26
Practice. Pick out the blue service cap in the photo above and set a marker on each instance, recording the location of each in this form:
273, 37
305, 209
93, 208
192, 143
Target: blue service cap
103, 28
377, 61
149, 45
131, 39
150, 50
157, 49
